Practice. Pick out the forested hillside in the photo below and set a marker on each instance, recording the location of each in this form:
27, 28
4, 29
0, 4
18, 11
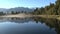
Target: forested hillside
52, 9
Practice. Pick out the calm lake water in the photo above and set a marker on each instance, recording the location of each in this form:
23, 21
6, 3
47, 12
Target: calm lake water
33, 25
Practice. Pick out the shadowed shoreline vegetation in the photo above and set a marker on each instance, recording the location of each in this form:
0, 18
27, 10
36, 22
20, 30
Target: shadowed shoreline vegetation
52, 9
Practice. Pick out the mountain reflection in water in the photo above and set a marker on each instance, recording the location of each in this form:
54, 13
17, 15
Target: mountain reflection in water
34, 25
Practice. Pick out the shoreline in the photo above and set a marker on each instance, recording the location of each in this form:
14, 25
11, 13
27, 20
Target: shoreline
29, 15
17, 15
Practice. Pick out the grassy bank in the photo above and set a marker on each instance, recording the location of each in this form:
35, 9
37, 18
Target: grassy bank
29, 15
49, 16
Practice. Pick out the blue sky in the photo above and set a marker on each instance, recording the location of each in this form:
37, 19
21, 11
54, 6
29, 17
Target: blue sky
24, 3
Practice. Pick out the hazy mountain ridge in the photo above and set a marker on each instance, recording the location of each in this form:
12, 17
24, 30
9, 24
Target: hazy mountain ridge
17, 9
3, 9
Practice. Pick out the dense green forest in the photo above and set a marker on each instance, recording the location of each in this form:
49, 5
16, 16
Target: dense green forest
52, 9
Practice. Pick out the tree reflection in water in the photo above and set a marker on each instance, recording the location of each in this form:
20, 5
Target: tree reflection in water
20, 20
52, 23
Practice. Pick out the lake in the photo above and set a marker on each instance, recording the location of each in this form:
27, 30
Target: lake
33, 25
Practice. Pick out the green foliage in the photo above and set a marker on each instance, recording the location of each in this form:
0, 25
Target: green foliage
1, 13
52, 9
17, 12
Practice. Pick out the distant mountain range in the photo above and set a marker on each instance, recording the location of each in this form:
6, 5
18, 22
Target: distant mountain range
17, 9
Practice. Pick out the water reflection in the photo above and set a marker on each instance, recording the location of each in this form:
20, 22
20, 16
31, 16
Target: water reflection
16, 20
33, 25
52, 23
